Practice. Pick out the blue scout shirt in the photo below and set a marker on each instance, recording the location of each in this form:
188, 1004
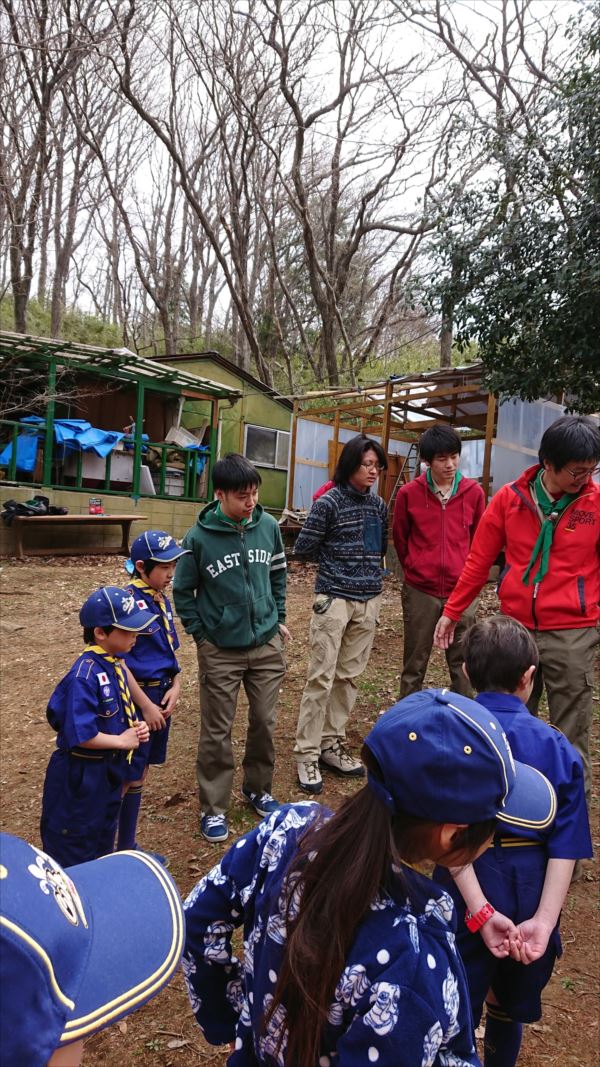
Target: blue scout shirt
87, 701
401, 1000
153, 656
535, 742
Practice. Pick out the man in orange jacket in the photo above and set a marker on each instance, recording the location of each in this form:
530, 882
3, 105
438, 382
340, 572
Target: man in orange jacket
548, 523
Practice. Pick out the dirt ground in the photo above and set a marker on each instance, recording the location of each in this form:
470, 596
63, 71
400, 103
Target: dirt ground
40, 638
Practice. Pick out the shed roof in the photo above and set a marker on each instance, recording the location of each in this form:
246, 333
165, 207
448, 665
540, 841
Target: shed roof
117, 363
456, 395
216, 357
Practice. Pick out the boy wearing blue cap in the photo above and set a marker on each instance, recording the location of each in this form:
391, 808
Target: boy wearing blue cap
76, 952
154, 665
93, 712
349, 953
525, 874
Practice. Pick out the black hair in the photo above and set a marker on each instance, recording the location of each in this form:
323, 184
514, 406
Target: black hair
572, 438
350, 857
352, 454
439, 441
498, 650
234, 472
88, 632
148, 565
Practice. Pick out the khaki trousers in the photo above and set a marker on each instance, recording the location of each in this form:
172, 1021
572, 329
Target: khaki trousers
421, 613
567, 668
221, 672
340, 645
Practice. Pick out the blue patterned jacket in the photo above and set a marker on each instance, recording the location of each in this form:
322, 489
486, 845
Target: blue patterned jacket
346, 533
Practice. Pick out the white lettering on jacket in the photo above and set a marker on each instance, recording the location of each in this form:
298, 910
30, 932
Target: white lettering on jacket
233, 559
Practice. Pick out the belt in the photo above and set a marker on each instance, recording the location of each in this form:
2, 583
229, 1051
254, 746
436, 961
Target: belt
149, 683
516, 842
109, 754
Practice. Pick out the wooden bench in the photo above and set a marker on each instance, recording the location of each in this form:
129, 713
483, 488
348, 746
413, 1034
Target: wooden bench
20, 523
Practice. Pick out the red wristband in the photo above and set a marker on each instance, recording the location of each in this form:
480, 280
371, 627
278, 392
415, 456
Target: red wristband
479, 919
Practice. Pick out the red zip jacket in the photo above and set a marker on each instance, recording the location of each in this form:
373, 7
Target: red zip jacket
432, 541
567, 598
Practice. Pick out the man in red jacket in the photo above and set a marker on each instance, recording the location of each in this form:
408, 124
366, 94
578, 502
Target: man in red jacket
435, 518
548, 523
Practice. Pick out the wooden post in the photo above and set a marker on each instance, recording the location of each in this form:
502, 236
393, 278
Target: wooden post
137, 440
487, 452
385, 430
336, 441
292, 471
49, 438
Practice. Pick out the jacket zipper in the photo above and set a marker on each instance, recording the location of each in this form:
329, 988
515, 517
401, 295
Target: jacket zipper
248, 587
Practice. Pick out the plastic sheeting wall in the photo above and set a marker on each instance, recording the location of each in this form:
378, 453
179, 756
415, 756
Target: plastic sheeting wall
311, 469
520, 427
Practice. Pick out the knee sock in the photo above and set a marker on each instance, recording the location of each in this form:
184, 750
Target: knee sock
128, 817
502, 1038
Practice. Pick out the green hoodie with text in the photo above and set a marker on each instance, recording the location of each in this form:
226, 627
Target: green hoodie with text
230, 589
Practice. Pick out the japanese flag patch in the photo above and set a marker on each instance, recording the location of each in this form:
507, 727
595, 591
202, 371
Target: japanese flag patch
102, 678
142, 605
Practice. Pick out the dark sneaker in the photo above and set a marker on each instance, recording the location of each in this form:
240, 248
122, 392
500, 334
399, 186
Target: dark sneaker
263, 803
214, 827
338, 759
309, 777
163, 860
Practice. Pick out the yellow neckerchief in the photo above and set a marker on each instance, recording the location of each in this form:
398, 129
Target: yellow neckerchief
158, 598
126, 698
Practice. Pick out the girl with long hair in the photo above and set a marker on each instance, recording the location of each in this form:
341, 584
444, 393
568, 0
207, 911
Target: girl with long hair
349, 954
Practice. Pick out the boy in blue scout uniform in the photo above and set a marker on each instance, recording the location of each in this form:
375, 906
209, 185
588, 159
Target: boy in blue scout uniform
524, 875
92, 710
154, 665
77, 952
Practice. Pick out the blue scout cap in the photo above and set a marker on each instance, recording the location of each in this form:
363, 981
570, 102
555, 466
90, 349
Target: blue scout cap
81, 948
111, 606
156, 545
445, 758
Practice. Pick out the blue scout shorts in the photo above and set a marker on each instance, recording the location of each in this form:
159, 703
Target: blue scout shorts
155, 749
80, 804
512, 879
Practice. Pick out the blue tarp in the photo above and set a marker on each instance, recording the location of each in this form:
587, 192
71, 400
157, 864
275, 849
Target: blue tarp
73, 434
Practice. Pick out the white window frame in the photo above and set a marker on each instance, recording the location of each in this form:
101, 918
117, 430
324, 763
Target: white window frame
269, 429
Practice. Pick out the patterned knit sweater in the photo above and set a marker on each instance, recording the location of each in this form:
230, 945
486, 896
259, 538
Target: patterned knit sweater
346, 533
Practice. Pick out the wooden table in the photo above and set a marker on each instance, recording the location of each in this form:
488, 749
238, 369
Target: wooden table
20, 523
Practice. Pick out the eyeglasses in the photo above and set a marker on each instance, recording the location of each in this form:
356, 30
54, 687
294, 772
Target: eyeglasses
373, 467
577, 475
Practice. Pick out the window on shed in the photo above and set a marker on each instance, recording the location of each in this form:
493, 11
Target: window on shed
266, 447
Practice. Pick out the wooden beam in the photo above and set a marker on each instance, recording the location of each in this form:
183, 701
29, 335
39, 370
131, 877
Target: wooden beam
487, 452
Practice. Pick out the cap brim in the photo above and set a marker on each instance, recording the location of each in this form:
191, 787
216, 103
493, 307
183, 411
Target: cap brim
531, 803
138, 931
138, 620
167, 555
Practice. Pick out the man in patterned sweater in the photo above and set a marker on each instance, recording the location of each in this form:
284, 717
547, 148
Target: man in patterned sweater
346, 532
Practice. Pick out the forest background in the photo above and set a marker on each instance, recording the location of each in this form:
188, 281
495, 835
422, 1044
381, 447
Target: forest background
326, 191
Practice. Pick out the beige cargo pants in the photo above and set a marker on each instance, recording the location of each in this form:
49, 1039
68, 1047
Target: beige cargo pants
340, 645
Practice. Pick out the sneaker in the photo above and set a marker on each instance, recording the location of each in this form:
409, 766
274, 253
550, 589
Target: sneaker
263, 803
163, 860
214, 827
338, 759
309, 777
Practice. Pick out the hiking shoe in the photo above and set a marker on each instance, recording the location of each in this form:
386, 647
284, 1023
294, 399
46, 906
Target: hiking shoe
309, 777
163, 860
214, 827
338, 759
263, 803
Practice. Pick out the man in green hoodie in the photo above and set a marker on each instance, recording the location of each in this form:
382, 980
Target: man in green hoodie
229, 592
